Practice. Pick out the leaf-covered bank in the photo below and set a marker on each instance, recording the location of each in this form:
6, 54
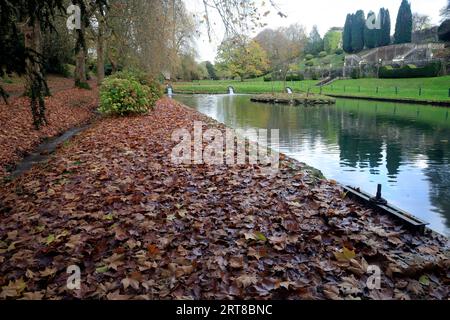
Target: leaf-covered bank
67, 108
140, 227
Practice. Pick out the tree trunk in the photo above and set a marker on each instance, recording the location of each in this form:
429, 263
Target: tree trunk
114, 64
80, 69
36, 87
100, 53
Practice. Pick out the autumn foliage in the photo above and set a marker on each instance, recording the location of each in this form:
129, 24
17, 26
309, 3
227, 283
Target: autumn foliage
141, 227
128, 93
68, 107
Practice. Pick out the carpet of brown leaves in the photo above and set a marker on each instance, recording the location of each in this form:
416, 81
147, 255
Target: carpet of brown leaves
67, 108
56, 83
140, 227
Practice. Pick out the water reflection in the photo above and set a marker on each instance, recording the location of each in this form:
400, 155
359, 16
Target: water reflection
405, 147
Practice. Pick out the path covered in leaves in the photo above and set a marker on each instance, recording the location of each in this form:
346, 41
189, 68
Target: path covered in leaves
140, 227
67, 108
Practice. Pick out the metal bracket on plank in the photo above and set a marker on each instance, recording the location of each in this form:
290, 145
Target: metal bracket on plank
380, 204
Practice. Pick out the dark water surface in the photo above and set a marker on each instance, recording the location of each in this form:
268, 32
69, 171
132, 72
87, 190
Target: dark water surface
405, 147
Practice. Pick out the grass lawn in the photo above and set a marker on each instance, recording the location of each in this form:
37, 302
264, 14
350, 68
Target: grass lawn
336, 60
432, 89
253, 86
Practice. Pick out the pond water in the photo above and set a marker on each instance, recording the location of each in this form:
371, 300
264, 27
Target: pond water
405, 147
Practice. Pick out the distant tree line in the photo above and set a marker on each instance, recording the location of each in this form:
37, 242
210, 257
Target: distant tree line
156, 37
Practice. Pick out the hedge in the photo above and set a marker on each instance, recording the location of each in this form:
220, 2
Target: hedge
411, 71
295, 77
289, 77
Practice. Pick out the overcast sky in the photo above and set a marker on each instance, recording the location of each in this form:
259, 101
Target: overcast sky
324, 13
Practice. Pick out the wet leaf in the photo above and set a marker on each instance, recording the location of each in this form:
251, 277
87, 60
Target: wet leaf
127, 282
236, 262
245, 281
13, 289
48, 272
345, 255
152, 249
424, 280
102, 269
50, 239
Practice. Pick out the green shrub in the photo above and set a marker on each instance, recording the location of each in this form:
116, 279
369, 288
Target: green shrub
91, 65
411, 71
339, 51
268, 78
82, 85
323, 54
133, 75
144, 79
70, 70
355, 74
7, 80
124, 96
108, 69
295, 77
56, 66
155, 91
309, 63
309, 57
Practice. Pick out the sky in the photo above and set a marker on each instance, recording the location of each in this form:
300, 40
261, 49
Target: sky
323, 13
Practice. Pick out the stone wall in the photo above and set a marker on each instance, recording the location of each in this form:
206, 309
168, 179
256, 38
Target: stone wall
426, 36
409, 52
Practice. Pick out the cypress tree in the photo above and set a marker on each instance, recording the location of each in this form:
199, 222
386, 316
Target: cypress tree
379, 32
403, 27
370, 33
385, 28
347, 34
358, 25
383, 35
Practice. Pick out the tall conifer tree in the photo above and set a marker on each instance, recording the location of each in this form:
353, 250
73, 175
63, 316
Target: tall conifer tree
358, 25
347, 34
370, 33
403, 27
